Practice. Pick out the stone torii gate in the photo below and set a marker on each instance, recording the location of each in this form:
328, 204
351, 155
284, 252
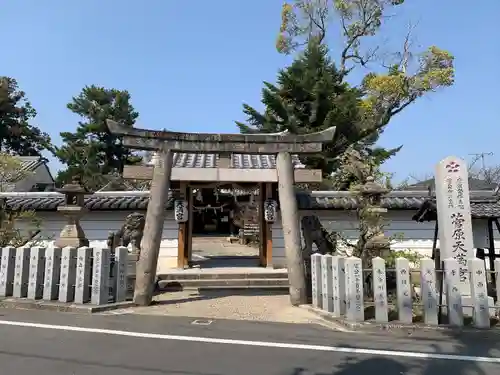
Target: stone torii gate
165, 143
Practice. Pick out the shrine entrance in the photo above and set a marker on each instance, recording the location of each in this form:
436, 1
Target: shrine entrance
213, 212
225, 205
226, 226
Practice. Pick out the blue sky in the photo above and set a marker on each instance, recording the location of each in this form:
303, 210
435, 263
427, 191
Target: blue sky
190, 65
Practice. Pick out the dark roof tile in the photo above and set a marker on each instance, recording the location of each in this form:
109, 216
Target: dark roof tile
239, 161
485, 210
483, 203
30, 163
93, 202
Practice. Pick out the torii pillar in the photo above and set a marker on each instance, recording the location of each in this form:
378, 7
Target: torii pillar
153, 229
281, 144
291, 229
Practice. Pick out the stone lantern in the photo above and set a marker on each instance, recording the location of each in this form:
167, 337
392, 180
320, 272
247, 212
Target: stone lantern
73, 209
372, 193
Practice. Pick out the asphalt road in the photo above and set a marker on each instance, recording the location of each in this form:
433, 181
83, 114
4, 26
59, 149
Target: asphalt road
43, 343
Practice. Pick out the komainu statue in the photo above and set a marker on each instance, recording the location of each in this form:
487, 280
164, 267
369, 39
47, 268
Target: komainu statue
131, 232
314, 233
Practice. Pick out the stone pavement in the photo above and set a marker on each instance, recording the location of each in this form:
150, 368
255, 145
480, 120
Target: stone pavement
220, 246
250, 305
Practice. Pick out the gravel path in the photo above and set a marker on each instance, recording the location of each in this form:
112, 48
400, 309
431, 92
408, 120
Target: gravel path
224, 305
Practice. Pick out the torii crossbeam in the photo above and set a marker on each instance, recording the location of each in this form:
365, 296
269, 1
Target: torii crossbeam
145, 139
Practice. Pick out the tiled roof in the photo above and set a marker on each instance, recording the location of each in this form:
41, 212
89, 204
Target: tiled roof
239, 161
342, 200
483, 203
99, 201
30, 163
485, 210
479, 210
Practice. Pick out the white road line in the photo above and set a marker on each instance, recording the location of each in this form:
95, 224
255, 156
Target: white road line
321, 348
117, 312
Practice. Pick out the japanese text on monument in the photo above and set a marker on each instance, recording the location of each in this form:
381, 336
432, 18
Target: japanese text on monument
80, 272
96, 282
357, 282
48, 273
382, 293
455, 192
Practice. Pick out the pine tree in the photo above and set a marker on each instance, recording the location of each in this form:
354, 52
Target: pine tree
309, 96
92, 152
17, 135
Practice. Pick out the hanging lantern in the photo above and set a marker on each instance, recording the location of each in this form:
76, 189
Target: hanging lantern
199, 195
216, 193
181, 211
270, 210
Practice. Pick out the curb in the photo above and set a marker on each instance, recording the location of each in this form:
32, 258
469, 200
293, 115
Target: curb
371, 327
26, 304
325, 320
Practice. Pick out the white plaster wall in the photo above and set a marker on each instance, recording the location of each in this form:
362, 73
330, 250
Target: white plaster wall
98, 224
417, 237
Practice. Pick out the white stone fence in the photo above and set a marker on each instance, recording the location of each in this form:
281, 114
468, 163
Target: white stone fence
338, 283
85, 275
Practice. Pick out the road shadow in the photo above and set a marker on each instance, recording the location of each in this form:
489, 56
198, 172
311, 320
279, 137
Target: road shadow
464, 344
353, 366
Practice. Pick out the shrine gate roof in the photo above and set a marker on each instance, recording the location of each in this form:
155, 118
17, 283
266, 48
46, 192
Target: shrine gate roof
238, 161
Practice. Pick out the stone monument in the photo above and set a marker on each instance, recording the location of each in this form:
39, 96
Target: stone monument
455, 222
73, 209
